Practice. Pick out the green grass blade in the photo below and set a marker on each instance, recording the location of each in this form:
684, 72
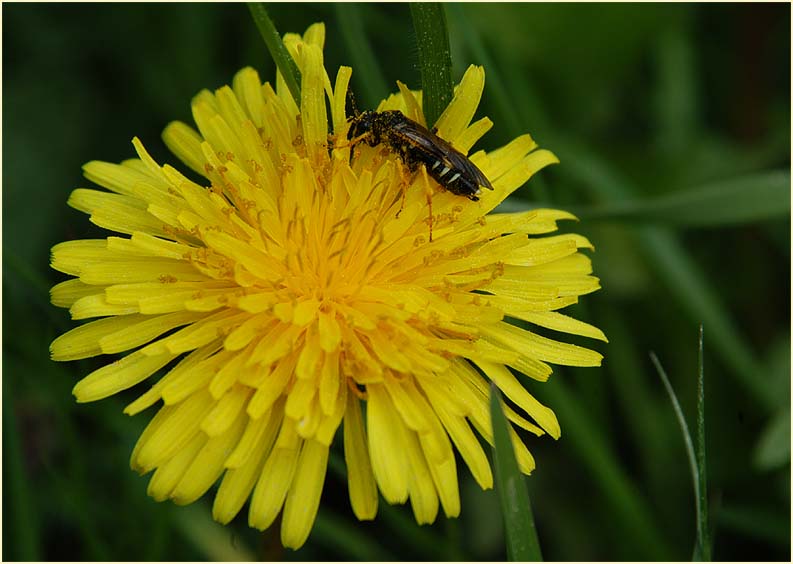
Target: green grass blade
367, 76
279, 53
754, 197
435, 59
696, 458
703, 528
690, 453
522, 542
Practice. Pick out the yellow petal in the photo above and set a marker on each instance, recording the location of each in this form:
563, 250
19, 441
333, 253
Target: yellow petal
302, 503
67, 293
208, 464
338, 108
360, 477
185, 142
458, 114
273, 486
467, 444
508, 384
270, 390
98, 306
174, 431
387, 445
164, 480
226, 411
330, 382
444, 476
146, 329
238, 481
312, 105
192, 373
118, 178
542, 348
558, 322
423, 497
119, 375
329, 332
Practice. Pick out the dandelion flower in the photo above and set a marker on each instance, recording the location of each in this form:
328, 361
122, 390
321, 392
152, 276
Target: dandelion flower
298, 284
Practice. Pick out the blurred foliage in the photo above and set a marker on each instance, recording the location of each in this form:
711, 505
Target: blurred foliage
643, 103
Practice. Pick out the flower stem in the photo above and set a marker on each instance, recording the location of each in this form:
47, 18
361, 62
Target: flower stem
521, 535
432, 39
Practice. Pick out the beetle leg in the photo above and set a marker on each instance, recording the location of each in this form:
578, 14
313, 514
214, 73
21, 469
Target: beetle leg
404, 182
353, 142
428, 191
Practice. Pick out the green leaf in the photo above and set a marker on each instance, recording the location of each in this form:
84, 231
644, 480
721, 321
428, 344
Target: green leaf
522, 542
751, 198
277, 49
435, 59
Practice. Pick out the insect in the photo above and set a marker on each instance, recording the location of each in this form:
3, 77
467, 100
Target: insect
416, 145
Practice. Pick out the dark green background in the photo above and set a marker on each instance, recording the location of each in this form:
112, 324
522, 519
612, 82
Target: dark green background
638, 101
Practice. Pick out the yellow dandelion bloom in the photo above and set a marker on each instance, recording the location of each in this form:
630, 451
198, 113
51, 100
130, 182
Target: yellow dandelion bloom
300, 284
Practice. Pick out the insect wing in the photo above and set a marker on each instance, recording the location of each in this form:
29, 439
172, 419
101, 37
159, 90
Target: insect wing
442, 151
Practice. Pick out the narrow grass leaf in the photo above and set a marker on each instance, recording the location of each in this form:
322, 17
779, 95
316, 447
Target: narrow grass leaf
751, 198
435, 59
703, 527
692, 457
367, 76
277, 49
522, 542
